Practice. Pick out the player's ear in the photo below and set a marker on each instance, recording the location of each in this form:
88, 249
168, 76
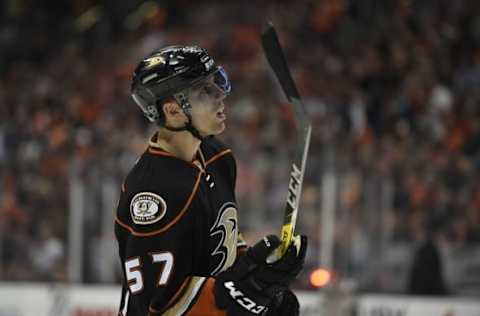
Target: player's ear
170, 107
173, 113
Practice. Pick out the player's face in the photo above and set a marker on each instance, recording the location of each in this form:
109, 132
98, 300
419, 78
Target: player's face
208, 108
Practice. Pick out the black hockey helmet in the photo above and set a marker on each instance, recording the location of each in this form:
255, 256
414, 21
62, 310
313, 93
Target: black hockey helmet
169, 72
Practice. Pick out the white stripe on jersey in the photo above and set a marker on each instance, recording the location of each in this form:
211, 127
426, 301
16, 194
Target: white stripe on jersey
125, 303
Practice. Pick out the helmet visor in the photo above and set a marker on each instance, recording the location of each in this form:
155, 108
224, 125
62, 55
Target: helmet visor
220, 79
215, 86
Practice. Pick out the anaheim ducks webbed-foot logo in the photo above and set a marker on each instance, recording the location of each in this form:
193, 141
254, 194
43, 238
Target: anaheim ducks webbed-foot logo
226, 227
147, 208
154, 60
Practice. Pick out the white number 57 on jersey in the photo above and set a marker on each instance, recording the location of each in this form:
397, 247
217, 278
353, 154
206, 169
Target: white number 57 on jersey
134, 272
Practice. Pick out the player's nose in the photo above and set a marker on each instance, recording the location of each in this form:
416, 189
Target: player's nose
219, 104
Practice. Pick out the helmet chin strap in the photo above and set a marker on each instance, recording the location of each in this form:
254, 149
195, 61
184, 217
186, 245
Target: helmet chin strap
188, 127
182, 99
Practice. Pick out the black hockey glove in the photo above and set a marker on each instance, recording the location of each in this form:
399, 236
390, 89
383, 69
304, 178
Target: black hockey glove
252, 286
289, 306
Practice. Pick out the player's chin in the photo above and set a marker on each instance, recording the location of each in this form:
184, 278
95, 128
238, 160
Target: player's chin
218, 128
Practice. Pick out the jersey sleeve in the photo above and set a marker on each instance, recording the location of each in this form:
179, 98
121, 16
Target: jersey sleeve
158, 243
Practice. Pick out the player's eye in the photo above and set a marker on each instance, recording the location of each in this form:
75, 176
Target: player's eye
209, 90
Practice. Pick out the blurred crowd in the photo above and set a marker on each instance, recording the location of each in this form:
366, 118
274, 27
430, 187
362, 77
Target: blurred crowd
392, 88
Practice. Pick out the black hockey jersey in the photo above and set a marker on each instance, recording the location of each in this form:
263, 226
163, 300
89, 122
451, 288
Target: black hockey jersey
176, 226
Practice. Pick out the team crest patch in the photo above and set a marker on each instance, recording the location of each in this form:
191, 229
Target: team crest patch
147, 208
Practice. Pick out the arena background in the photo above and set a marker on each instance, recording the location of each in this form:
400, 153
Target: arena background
391, 199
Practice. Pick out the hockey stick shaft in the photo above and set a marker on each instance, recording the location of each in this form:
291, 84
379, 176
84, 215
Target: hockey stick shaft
276, 59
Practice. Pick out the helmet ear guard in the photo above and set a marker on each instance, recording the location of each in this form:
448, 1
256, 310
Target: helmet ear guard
150, 111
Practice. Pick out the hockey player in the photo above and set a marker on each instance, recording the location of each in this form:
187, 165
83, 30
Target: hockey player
176, 222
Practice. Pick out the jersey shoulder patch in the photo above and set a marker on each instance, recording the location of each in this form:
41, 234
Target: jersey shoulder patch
158, 194
147, 208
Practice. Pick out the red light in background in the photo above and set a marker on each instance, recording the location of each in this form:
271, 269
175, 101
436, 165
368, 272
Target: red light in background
320, 277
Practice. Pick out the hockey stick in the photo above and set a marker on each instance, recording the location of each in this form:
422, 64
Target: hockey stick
274, 53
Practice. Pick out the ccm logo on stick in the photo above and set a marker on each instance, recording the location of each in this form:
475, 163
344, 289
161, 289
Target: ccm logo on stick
295, 178
244, 301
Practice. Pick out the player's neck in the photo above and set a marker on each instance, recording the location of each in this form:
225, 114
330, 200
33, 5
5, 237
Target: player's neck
182, 145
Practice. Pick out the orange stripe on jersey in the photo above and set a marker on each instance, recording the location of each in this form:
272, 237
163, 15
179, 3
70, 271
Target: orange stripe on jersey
173, 222
167, 154
160, 152
220, 154
205, 304
177, 295
152, 311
